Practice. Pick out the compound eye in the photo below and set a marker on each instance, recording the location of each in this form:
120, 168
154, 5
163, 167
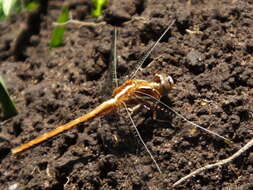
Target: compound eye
158, 78
167, 85
170, 80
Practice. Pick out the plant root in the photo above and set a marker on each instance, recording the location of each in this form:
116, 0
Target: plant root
219, 163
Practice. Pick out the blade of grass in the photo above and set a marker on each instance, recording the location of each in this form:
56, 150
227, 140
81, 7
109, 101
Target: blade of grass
58, 32
8, 105
11, 6
98, 5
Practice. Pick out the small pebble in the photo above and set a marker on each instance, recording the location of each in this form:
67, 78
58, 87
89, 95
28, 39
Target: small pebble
13, 186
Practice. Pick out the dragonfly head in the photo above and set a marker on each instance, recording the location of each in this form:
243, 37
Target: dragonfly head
166, 82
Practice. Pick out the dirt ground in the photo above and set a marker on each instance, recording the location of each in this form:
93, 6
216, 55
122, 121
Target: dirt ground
208, 53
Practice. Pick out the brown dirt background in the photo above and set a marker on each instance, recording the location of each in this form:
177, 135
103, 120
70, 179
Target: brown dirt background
212, 69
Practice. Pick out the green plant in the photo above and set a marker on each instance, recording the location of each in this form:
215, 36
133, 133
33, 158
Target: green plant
32, 5
58, 32
9, 7
2, 16
98, 5
8, 105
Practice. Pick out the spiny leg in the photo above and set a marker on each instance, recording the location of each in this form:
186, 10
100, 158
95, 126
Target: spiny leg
148, 52
139, 135
184, 118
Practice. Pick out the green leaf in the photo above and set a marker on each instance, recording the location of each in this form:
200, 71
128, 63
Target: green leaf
58, 32
33, 5
8, 106
2, 16
98, 5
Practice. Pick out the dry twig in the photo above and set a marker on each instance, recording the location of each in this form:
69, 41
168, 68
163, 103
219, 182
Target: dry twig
79, 23
219, 163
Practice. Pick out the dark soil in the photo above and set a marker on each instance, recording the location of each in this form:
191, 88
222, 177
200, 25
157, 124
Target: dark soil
208, 52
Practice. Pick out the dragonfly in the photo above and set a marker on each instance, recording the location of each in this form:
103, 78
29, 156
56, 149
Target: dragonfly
126, 96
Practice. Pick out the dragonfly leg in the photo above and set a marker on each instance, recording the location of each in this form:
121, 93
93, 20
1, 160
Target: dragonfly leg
138, 107
135, 109
155, 108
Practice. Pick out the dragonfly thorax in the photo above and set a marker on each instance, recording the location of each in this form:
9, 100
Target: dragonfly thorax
136, 91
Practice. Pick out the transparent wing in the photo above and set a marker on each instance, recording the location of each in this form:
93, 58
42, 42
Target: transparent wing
113, 68
111, 79
148, 51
